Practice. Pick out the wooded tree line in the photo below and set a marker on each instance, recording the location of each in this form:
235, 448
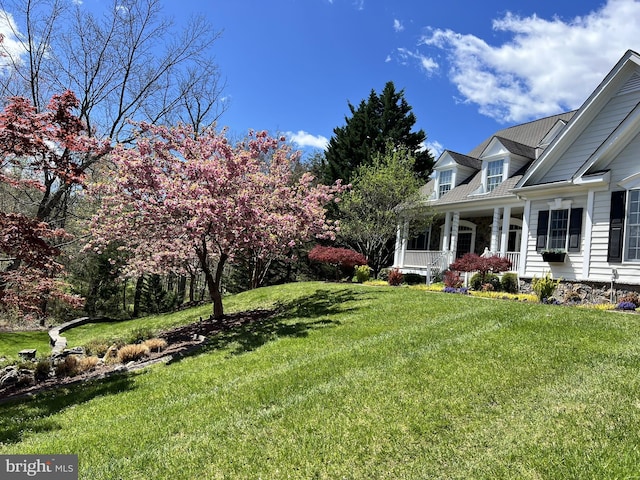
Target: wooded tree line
112, 169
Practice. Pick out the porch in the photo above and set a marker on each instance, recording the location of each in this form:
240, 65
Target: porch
497, 231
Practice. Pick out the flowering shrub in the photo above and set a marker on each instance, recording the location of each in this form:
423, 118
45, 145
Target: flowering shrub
462, 290
626, 306
395, 277
631, 298
452, 279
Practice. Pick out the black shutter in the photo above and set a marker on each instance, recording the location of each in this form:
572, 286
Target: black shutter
543, 230
616, 226
575, 229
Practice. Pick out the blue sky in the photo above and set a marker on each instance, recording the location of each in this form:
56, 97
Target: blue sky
468, 68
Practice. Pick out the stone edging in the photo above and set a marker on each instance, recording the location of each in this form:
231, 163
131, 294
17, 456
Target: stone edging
58, 342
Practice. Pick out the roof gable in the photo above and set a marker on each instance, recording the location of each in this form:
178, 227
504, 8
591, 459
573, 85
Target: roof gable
449, 159
622, 79
503, 146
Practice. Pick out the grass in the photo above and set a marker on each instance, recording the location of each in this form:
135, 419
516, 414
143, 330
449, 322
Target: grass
12, 343
360, 382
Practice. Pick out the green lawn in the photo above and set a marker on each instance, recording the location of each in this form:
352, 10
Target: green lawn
363, 383
12, 343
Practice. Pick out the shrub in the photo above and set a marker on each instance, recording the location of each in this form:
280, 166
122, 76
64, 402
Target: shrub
384, 274
155, 344
140, 334
86, 364
43, 369
509, 283
544, 287
395, 277
413, 279
488, 282
132, 352
68, 367
98, 346
363, 273
452, 279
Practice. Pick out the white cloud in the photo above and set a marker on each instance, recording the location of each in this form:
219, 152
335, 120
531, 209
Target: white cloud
547, 66
305, 139
435, 148
11, 49
397, 25
406, 57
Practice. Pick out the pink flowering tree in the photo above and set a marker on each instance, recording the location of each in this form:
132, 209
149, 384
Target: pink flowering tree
44, 157
181, 196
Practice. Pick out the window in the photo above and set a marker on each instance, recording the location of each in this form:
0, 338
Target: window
559, 229
420, 242
633, 226
444, 182
494, 174
558, 224
624, 226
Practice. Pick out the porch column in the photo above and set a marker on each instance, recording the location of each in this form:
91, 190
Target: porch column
506, 224
495, 230
403, 241
398, 249
524, 239
446, 234
455, 223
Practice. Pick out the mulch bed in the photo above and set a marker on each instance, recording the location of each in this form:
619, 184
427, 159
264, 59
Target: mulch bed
181, 341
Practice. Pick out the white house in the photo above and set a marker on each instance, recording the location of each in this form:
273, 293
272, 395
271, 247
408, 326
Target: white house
567, 184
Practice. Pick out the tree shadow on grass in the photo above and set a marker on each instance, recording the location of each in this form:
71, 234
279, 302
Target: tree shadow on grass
34, 415
246, 331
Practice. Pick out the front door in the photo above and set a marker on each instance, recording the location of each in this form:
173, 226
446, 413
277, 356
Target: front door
464, 243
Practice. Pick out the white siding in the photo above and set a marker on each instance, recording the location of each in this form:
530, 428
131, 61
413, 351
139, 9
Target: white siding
624, 165
600, 269
591, 138
571, 269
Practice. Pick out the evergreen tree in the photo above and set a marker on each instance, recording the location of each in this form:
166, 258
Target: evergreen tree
383, 121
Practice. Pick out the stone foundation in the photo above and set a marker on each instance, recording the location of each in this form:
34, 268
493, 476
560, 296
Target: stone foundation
586, 292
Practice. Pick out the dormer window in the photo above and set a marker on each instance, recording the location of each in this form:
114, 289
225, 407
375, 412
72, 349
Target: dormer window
494, 174
445, 180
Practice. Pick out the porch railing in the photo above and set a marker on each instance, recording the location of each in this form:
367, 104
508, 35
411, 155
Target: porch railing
423, 259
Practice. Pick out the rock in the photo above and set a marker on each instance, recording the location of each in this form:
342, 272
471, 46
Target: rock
73, 351
10, 378
28, 354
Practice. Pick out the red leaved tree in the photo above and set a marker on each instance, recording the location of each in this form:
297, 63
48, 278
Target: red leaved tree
472, 262
182, 195
43, 158
343, 259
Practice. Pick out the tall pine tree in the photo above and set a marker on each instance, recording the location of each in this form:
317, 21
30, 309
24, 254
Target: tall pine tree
383, 121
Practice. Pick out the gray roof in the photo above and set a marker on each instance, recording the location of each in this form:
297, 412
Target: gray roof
520, 140
518, 148
466, 160
530, 133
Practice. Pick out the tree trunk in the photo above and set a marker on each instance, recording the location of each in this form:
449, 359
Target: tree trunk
213, 280
138, 296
